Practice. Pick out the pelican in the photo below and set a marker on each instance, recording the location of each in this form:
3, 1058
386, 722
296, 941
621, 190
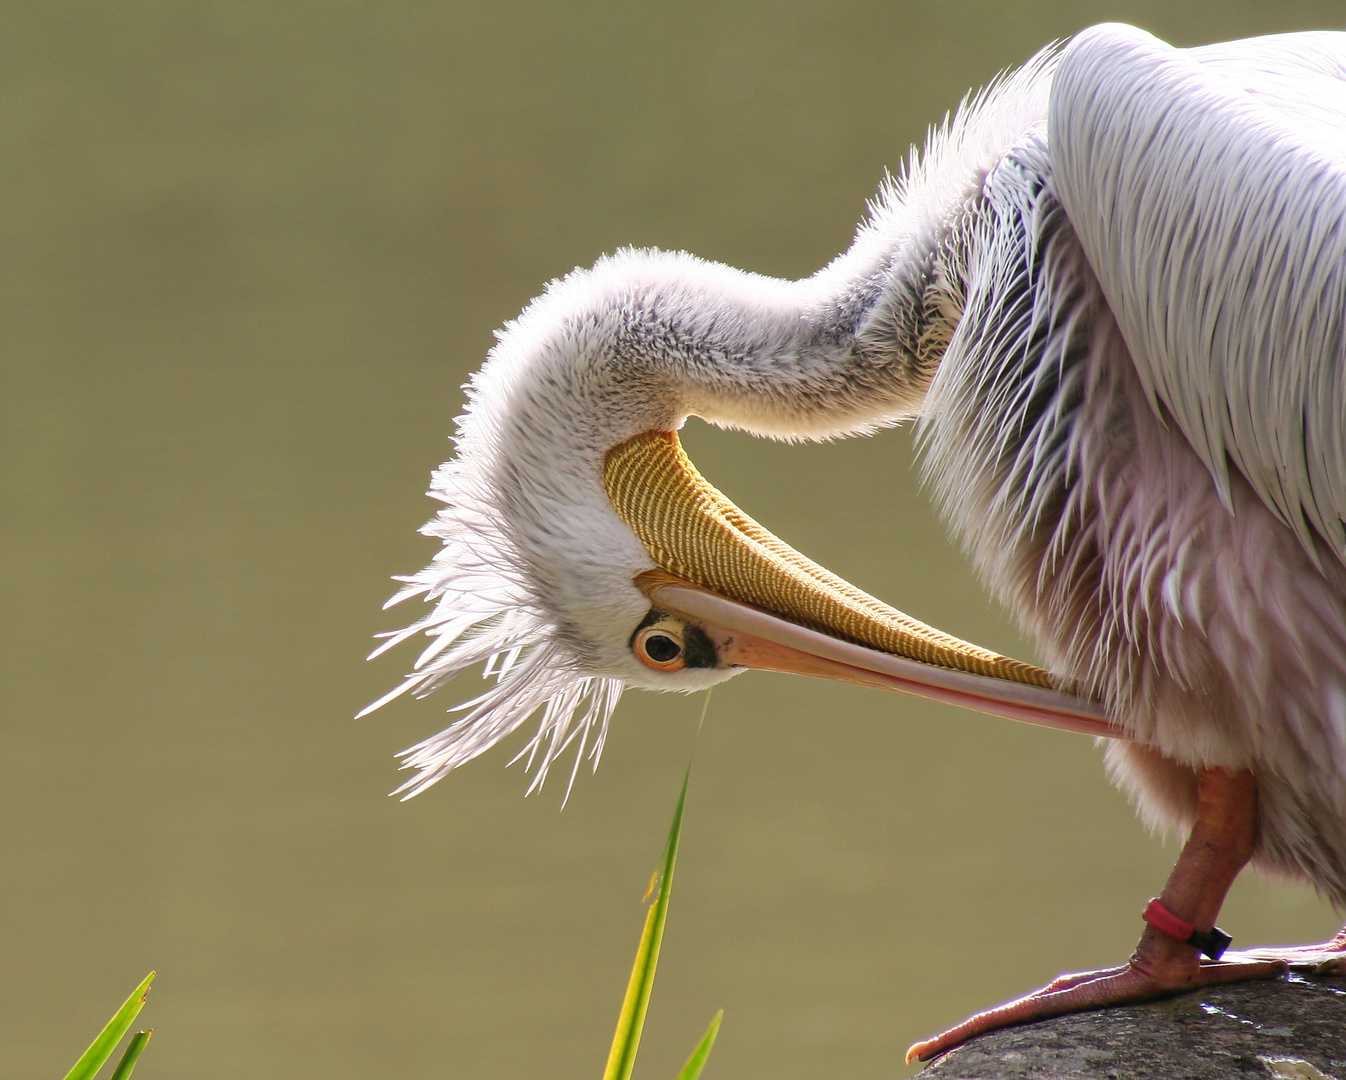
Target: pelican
1112, 291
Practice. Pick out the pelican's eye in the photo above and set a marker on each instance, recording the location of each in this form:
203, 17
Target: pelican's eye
665, 642
660, 647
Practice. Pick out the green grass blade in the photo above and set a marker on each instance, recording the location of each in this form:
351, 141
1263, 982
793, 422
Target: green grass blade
626, 1039
697, 1062
132, 1055
101, 1048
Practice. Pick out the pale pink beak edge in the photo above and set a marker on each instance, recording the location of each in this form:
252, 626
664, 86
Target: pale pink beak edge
752, 638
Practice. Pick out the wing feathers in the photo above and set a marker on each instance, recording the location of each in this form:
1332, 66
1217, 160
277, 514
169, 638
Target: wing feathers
1208, 189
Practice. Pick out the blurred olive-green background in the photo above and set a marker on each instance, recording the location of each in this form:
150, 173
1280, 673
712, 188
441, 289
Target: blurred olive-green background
248, 252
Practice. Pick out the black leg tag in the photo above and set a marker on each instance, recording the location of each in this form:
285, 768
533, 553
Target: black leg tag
1211, 943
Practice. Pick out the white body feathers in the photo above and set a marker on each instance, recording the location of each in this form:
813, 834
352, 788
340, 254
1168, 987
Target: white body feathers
1145, 401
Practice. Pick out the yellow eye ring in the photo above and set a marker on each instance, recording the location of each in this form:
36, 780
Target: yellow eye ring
660, 647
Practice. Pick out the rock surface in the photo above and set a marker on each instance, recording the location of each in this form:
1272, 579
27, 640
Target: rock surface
1293, 1029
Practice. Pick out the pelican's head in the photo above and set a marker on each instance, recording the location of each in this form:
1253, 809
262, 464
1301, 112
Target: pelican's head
583, 551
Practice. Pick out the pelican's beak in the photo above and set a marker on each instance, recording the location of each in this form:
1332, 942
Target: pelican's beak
764, 605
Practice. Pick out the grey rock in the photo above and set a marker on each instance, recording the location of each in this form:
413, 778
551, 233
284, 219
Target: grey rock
1290, 1029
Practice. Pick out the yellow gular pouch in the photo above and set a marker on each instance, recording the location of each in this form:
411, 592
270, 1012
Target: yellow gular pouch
693, 532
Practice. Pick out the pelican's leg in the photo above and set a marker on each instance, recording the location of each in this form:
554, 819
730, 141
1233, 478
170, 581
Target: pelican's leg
1220, 845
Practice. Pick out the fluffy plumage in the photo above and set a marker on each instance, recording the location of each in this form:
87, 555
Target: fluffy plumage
1113, 289
1148, 424
534, 578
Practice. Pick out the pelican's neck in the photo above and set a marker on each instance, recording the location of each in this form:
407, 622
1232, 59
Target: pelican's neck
784, 359
637, 344
647, 338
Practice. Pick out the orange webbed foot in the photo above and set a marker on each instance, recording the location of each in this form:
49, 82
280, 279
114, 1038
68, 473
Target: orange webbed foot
1133, 982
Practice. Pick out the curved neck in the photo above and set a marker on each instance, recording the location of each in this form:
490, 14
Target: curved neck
647, 338
637, 344
805, 359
